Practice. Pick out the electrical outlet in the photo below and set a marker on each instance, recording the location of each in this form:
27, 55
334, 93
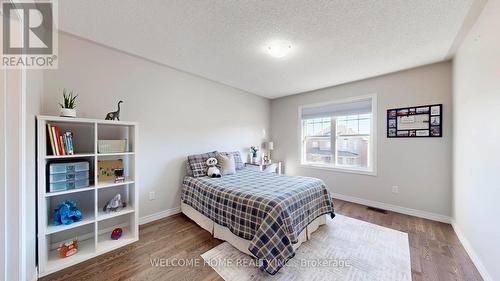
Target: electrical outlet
152, 195
395, 189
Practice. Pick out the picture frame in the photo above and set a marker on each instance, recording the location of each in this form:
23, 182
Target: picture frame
106, 169
423, 121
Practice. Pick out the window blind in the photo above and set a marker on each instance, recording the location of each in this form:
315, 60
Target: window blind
337, 109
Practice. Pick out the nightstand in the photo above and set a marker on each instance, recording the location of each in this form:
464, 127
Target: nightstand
275, 167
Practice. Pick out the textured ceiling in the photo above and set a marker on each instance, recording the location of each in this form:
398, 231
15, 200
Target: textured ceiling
333, 41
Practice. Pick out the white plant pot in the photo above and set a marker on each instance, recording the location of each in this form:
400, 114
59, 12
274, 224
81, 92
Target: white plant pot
68, 112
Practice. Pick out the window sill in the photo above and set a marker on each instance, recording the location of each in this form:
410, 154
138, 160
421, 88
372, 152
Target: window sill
339, 169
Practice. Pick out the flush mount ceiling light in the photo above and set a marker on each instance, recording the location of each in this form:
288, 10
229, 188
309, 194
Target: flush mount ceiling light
279, 48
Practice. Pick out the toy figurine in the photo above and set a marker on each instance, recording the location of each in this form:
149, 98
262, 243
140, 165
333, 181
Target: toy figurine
117, 233
114, 204
68, 248
119, 175
114, 115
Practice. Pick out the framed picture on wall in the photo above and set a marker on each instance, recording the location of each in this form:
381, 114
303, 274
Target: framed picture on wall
415, 121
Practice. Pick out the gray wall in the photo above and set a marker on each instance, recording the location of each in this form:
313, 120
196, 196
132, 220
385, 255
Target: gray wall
420, 167
179, 114
476, 142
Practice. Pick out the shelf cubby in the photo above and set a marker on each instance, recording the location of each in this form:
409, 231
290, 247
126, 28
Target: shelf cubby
128, 162
83, 137
90, 158
104, 241
93, 231
84, 202
104, 195
85, 236
112, 132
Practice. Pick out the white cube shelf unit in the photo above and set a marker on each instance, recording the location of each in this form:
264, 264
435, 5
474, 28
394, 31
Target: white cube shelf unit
93, 231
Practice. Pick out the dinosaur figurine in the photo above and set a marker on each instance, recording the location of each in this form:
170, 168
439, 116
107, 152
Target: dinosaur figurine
114, 115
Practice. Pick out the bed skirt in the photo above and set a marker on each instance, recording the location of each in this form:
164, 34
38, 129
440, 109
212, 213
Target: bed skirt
223, 233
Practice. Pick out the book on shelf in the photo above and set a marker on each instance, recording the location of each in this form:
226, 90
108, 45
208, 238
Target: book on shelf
68, 142
56, 141
60, 144
51, 139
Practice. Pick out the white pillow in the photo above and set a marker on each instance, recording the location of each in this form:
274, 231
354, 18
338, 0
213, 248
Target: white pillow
227, 164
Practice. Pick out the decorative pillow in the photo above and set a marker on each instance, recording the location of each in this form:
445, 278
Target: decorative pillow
189, 172
227, 164
198, 163
237, 159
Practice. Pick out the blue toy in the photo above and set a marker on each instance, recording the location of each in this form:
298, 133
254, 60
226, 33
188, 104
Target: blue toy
66, 213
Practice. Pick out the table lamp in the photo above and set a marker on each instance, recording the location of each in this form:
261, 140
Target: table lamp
270, 147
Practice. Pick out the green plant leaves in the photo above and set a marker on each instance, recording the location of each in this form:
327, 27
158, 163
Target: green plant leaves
69, 100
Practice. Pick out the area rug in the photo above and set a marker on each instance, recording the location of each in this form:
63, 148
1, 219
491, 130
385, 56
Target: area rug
342, 249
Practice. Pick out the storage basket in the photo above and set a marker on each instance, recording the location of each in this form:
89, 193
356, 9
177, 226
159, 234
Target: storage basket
111, 146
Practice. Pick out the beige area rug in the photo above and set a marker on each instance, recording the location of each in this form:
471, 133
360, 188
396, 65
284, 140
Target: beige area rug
342, 249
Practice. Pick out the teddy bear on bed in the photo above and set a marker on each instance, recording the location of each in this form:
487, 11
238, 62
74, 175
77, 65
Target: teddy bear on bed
213, 168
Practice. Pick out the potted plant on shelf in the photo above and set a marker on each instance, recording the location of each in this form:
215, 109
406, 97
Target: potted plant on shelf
253, 151
69, 105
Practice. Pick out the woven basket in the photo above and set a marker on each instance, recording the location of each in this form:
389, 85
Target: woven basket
111, 146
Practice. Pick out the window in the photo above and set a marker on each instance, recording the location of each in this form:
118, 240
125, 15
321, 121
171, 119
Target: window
339, 135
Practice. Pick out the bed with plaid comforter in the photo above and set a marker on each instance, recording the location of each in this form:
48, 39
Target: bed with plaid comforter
268, 209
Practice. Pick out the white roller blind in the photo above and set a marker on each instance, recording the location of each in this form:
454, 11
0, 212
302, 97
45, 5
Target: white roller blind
363, 106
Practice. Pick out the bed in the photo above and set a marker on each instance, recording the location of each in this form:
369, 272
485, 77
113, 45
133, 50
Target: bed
265, 215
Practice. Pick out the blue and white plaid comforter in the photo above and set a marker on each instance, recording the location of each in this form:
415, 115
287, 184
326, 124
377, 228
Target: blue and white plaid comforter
270, 210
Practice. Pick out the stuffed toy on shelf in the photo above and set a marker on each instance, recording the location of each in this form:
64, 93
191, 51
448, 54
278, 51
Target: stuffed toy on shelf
114, 204
66, 213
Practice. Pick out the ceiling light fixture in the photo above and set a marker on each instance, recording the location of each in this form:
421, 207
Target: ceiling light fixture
279, 48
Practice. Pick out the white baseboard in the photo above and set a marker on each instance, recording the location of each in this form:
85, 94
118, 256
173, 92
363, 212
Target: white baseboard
159, 215
472, 254
393, 208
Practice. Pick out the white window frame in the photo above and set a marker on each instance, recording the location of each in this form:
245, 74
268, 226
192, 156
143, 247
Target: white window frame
372, 157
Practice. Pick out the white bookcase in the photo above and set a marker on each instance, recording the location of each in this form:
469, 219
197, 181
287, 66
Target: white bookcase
93, 231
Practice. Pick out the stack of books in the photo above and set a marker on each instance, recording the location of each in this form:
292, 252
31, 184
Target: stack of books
60, 144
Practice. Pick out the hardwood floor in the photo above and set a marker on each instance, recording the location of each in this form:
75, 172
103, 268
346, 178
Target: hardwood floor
436, 252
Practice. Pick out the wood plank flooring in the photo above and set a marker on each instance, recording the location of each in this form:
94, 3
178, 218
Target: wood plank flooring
436, 252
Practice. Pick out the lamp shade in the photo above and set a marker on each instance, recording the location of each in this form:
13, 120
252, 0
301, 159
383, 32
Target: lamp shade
270, 145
